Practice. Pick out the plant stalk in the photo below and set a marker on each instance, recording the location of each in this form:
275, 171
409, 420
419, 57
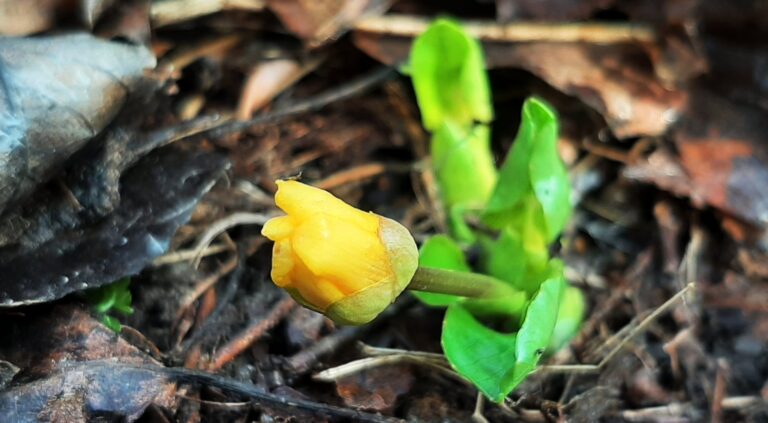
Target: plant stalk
463, 284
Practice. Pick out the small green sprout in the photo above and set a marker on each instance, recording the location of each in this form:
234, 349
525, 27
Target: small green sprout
527, 201
115, 297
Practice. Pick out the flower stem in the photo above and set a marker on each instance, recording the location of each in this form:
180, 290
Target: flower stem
463, 284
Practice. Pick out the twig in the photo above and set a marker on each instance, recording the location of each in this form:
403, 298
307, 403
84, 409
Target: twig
184, 255
379, 351
363, 364
592, 368
304, 360
218, 126
206, 328
255, 330
234, 219
357, 173
343, 92
206, 283
169, 12
716, 414
679, 409
477, 415
596, 33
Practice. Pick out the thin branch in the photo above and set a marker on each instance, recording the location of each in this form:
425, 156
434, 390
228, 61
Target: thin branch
218, 227
255, 330
185, 255
516, 32
218, 126
595, 368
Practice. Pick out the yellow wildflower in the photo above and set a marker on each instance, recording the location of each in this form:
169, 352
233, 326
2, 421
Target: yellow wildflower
336, 259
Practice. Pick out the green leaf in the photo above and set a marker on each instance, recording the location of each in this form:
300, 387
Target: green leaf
532, 166
520, 258
458, 226
448, 71
441, 252
480, 354
536, 331
463, 164
569, 318
115, 297
111, 323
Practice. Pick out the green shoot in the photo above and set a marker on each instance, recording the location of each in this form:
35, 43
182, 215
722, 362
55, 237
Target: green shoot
112, 298
527, 201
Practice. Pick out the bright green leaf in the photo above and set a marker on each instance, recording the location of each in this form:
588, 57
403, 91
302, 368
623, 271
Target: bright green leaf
536, 331
457, 223
520, 258
463, 164
448, 71
480, 354
111, 323
548, 174
532, 166
506, 309
441, 252
569, 318
115, 297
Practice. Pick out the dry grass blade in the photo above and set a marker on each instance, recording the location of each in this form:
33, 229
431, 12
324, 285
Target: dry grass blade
218, 227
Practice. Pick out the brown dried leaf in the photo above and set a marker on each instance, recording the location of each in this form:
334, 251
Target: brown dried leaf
64, 377
375, 389
721, 159
320, 21
26, 17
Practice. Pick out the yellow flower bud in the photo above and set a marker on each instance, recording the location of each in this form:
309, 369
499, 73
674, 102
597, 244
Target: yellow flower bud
336, 259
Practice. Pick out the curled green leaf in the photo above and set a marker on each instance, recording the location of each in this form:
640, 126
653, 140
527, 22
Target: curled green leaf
463, 164
480, 354
535, 334
532, 166
448, 71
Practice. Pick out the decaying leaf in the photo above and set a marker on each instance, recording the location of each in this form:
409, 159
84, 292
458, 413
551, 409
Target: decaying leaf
157, 195
375, 389
320, 21
56, 94
26, 17
721, 159
64, 375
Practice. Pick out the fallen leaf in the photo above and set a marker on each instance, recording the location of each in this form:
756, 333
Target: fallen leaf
85, 392
56, 94
721, 159
375, 389
157, 196
64, 376
26, 17
320, 21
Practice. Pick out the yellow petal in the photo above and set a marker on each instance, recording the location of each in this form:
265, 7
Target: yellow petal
278, 228
303, 201
283, 262
333, 249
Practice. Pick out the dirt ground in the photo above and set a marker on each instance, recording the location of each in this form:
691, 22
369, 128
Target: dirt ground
663, 130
